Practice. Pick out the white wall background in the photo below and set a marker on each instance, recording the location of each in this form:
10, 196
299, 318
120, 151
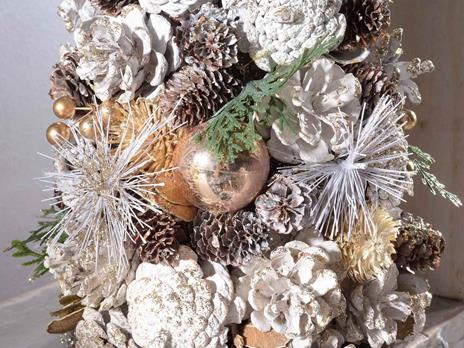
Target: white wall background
30, 35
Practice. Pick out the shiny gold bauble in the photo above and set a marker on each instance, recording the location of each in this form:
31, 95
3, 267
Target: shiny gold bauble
410, 167
58, 132
215, 186
110, 111
86, 127
64, 107
410, 119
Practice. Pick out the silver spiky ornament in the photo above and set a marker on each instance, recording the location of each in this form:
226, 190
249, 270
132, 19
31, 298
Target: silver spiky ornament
342, 183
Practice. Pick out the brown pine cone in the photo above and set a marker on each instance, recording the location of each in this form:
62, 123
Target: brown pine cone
207, 38
194, 94
418, 246
65, 81
366, 21
375, 83
159, 232
113, 7
229, 239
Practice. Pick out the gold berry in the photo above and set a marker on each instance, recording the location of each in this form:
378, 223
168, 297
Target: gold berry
57, 133
410, 119
64, 108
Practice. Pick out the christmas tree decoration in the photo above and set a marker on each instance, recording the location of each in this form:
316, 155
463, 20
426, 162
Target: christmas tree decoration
180, 305
344, 181
159, 237
323, 105
285, 206
375, 308
64, 107
421, 299
58, 133
367, 253
388, 52
229, 239
68, 316
106, 180
410, 119
216, 186
208, 38
231, 173
277, 31
293, 293
64, 79
115, 53
91, 277
376, 83
418, 246
193, 94
367, 20
104, 329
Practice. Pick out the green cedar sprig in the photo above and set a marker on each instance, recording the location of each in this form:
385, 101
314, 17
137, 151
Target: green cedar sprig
422, 162
232, 129
34, 247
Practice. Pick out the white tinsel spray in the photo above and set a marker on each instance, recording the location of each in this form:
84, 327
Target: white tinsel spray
102, 188
340, 185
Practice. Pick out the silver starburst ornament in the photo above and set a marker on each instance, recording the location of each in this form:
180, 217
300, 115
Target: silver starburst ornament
101, 188
341, 184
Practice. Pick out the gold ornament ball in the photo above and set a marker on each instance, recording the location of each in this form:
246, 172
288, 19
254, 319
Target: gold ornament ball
64, 108
410, 167
410, 119
86, 127
110, 111
215, 186
58, 132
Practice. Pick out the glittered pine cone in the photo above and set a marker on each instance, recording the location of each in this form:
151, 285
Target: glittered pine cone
285, 206
113, 7
366, 21
159, 237
229, 239
418, 246
375, 83
208, 38
65, 81
194, 94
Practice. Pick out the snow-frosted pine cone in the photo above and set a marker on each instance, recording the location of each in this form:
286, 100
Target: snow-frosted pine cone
366, 21
418, 246
194, 94
65, 81
104, 329
229, 239
276, 32
207, 38
285, 206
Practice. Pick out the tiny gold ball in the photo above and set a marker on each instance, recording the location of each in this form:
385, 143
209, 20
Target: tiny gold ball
58, 132
86, 127
110, 111
64, 107
410, 167
410, 118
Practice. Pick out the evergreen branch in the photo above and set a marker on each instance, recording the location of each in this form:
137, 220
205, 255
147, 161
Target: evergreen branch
232, 129
34, 247
422, 162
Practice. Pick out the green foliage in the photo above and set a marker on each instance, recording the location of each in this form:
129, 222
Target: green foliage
34, 247
422, 162
232, 129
